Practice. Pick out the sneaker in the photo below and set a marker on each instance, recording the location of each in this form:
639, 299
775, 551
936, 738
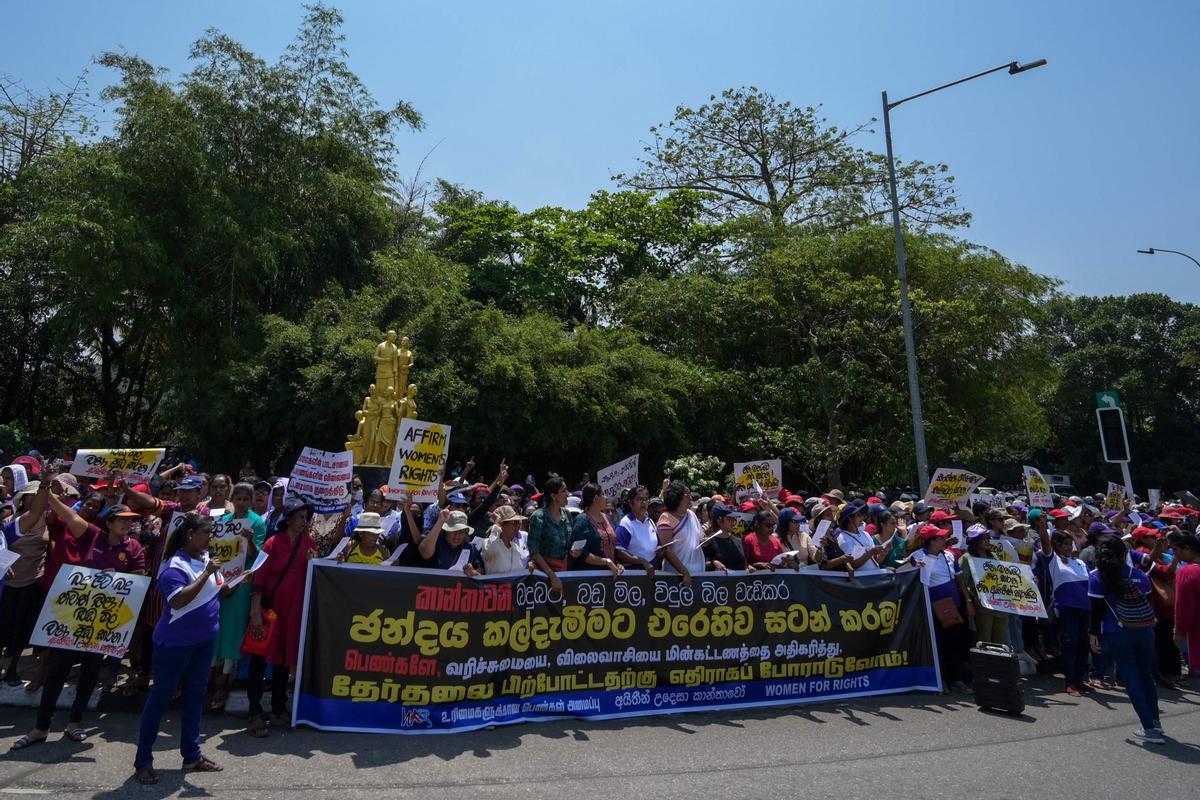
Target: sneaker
1151, 736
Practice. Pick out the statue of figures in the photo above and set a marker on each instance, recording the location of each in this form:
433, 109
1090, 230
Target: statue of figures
357, 444
387, 402
408, 404
387, 362
404, 362
386, 430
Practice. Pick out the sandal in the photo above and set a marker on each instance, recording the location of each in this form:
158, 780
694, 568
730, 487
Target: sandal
258, 728
205, 764
146, 776
76, 734
25, 741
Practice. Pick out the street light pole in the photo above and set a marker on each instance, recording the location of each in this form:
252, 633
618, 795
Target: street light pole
1152, 250
910, 349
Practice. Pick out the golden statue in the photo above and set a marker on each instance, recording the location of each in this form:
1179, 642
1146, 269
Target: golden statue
374, 439
407, 406
357, 444
404, 362
386, 431
386, 362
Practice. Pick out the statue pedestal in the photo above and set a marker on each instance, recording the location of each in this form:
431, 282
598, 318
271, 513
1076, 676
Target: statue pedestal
372, 477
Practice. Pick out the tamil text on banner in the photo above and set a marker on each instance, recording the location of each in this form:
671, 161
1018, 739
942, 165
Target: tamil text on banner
1037, 488
1115, 497
416, 651
622, 475
420, 459
768, 473
322, 478
950, 487
90, 610
134, 465
1005, 586
228, 544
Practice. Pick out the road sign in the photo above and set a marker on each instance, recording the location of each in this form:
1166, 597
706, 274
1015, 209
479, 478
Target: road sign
1112, 435
1108, 399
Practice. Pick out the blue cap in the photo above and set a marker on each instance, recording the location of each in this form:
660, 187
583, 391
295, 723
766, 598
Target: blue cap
191, 482
1155, 523
848, 511
788, 515
458, 499
721, 510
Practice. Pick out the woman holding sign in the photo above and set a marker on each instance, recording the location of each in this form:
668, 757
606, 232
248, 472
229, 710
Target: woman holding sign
183, 645
111, 549
235, 609
279, 590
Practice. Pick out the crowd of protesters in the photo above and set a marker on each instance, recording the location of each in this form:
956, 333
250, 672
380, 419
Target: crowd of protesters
1122, 584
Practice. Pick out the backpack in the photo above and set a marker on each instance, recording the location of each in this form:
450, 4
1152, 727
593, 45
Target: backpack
1133, 609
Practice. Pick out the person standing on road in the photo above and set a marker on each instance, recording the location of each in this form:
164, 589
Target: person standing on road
1187, 600
184, 641
1068, 592
1123, 618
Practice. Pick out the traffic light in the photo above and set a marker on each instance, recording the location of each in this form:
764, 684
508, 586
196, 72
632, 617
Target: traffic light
1112, 434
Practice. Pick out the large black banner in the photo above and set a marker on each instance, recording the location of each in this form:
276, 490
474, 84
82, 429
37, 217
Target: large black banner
416, 650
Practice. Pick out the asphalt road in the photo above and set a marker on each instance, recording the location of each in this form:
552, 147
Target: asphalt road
890, 747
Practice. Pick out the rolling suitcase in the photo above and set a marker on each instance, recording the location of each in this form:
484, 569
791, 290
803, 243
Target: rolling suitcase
997, 678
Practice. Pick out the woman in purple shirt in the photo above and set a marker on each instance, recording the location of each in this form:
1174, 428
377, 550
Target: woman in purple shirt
184, 639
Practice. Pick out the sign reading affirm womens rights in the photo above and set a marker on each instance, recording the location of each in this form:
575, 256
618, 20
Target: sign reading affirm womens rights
422, 449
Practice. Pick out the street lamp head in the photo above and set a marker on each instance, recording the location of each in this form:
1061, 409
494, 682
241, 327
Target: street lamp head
1148, 252
1014, 68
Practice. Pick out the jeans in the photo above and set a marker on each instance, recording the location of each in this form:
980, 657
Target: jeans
279, 685
185, 666
1016, 635
58, 667
1073, 641
1133, 651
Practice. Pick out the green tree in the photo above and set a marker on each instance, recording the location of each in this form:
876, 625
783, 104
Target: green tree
807, 339
750, 154
1147, 347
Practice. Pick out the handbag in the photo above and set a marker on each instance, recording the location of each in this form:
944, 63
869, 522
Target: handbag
1162, 596
946, 611
257, 645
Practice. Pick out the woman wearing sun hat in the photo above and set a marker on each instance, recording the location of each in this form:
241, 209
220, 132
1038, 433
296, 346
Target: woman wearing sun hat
504, 552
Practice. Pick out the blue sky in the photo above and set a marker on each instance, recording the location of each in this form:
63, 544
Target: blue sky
1068, 169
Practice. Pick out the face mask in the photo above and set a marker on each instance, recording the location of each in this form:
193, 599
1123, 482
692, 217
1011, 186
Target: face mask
357, 495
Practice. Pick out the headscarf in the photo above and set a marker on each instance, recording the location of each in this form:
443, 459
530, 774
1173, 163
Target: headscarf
280, 483
20, 477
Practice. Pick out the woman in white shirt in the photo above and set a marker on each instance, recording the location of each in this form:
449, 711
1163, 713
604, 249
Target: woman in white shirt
637, 540
504, 552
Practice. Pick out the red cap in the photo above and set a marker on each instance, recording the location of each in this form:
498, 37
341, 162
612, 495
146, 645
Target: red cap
1146, 532
1170, 513
927, 532
795, 501
747, 506
873, 499
784, 494
1070, 503
942, 516
31, 465
1058, 513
